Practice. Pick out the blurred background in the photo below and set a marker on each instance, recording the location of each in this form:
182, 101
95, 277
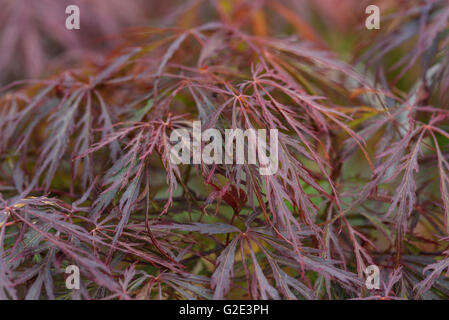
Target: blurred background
35, 42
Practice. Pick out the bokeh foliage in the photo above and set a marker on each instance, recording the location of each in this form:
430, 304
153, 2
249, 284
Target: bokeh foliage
85, 175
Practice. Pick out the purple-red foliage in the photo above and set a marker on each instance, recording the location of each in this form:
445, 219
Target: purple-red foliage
86, 179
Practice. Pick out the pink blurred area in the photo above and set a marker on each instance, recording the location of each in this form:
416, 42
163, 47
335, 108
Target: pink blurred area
33, 38
32, 32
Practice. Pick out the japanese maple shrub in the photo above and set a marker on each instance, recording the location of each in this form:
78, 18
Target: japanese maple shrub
87, 178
